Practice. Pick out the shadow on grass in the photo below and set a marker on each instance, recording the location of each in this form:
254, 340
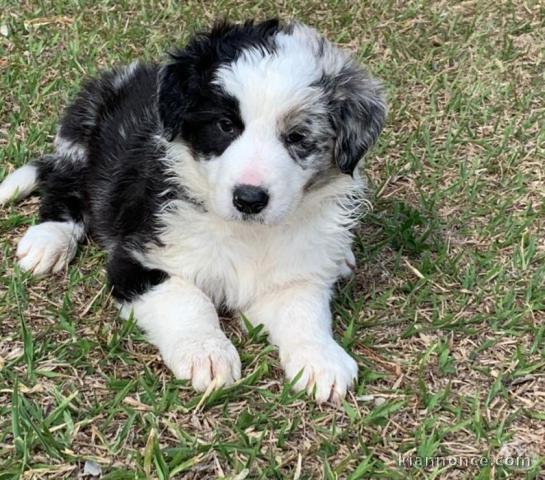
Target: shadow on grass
393, 232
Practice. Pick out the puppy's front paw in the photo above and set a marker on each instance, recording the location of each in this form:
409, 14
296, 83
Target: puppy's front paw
326, 367
204, 359
348, 266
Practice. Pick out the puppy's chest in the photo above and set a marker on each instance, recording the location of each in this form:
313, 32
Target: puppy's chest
228, 269
235, 265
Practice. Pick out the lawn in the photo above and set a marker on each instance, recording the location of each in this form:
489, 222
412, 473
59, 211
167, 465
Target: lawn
446, 315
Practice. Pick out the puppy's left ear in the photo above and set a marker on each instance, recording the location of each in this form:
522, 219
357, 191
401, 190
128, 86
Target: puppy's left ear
358, 112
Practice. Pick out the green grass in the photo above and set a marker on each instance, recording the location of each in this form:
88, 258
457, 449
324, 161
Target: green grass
446, 316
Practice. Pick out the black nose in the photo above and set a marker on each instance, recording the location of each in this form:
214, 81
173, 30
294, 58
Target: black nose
250, 199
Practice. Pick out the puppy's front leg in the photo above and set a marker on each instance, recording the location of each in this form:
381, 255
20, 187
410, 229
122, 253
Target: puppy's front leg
182, 322
298, 320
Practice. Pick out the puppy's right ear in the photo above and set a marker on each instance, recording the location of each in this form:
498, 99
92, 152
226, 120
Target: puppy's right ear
182, 80
179, 82
172, 97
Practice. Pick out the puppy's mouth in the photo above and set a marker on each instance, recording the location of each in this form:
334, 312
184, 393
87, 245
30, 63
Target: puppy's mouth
252, 218
261, 217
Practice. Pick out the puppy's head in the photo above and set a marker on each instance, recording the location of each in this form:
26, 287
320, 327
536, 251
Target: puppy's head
267, 111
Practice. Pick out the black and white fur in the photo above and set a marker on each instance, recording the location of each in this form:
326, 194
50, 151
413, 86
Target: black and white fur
151, 161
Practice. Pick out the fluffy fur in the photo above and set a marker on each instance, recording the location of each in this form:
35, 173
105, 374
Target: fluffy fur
223, 178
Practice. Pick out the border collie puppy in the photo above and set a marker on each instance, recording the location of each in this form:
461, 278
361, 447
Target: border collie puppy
223, 178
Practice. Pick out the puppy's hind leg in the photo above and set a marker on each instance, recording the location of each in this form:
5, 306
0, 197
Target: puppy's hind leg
19, 184
50, 246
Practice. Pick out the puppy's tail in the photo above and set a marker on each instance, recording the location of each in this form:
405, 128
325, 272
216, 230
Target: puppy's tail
19, 184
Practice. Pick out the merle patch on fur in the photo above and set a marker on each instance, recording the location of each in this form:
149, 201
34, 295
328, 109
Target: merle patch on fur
358, 113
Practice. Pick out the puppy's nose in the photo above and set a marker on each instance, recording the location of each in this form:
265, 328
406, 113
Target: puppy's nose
250, 199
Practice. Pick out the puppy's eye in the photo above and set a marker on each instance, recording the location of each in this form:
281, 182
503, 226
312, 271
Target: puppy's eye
295, 137
226, 126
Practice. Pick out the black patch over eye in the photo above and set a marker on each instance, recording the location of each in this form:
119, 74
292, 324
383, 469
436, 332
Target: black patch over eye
295, 137
226, 126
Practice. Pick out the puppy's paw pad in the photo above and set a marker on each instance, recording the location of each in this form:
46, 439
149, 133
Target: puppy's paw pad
47, 247
326, 369
205, 360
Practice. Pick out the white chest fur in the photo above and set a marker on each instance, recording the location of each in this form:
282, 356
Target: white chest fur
234, 262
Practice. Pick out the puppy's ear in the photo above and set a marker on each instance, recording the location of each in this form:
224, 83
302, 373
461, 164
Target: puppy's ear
188, 75
172, 99
358, 112
181, 80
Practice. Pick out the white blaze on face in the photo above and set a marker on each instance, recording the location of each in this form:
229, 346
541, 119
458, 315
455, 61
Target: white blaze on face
267, 88
252, 176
